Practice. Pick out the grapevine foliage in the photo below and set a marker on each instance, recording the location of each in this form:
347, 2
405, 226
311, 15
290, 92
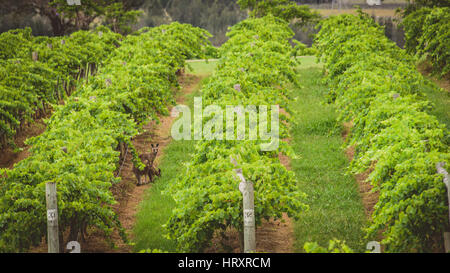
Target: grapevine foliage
79, 150
376, 86
257, 59
427, 34
28, 88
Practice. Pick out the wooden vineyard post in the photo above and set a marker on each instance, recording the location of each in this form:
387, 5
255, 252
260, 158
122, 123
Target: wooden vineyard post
34, 56
249, 217
247, 190
52, 218
446, 180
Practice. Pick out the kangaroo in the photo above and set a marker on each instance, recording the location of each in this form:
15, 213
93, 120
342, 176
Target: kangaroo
141, 173
152, 156
152, 172
147, 159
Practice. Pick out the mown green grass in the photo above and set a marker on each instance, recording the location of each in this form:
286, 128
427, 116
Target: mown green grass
309, 62
201, 67
441, 102
336, 210
156, 207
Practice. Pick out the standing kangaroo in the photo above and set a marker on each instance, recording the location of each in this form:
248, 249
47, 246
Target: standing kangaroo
152, 172
147, 159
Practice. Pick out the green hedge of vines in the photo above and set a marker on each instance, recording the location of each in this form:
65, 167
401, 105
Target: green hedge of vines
28, 88
79, 150
427, 34
255, 68
375, 84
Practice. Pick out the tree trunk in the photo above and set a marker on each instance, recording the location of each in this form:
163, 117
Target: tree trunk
57, 26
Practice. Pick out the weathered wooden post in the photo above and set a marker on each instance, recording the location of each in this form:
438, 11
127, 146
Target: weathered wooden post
247, 190
34, 56
52, 218
440, 169
108, 82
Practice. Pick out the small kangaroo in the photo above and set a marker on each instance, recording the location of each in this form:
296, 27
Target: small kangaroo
147, 159
152, 172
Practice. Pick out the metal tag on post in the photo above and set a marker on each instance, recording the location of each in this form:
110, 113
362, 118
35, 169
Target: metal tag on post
242, 187
249, 217
246, 188
52, 216
74, 247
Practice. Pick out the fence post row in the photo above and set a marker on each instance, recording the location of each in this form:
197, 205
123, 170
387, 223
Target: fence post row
52, 217
247, 190
440, 170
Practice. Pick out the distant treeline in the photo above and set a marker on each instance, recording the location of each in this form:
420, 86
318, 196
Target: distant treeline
214, 15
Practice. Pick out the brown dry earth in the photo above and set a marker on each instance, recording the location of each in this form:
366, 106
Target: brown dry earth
8, 158
369, 198
271, 237
426, 70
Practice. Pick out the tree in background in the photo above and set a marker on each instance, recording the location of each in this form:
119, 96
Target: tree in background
65, 18
213, 15
120, 20
414, 5
285, 9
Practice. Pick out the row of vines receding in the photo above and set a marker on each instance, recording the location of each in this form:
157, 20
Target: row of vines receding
376, 86
255, 69
80, 150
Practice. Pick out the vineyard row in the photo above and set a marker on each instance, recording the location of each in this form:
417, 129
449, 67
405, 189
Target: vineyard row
375, 85
80, 148
256, 68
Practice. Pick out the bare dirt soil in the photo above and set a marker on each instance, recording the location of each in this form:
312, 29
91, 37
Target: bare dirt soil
271, 237
8, 157
369, 197
426, 69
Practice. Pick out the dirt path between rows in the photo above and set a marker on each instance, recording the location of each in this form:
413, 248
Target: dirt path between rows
368, 196
8, 157
426, 70
127, 194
